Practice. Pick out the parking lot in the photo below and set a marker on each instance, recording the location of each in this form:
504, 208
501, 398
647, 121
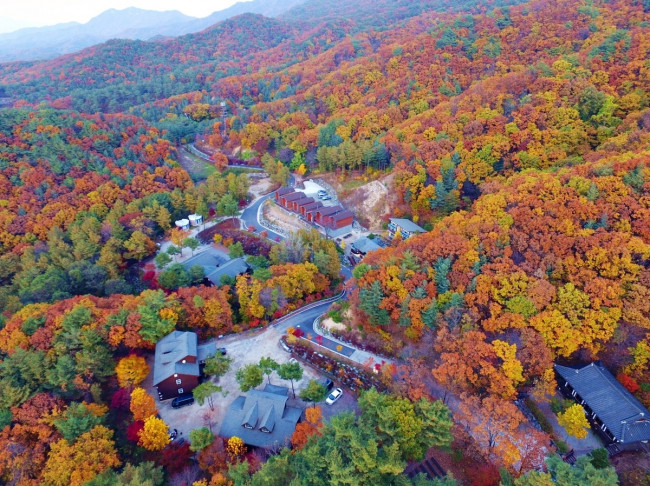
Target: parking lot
243, 350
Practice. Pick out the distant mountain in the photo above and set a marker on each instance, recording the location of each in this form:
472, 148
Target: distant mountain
131, 23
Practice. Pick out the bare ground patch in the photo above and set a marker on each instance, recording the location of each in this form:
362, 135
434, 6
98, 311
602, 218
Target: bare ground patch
283, 218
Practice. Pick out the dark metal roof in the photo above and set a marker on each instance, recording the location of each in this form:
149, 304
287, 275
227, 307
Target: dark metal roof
311, 207
234, 267
329, 210
261, 409
170, 352
625, 417
285, 190
342, 215
293, 196
209, 259
364, 245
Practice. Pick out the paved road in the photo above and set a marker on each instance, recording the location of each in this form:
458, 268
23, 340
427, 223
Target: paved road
249, 217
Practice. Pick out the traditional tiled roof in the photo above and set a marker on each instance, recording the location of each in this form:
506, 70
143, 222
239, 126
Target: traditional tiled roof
625, 417
232, 268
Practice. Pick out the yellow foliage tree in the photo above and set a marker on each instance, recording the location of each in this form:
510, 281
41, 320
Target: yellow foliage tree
142, 404
235, 448
75, 464
131, 371
574, 421
155, 434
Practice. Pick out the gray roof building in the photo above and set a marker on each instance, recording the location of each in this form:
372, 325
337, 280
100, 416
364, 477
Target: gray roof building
178, 353
209, 259
407, 225
364, 245
262, 418
232, 268
608, 403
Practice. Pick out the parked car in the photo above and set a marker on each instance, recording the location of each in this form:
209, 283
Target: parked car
322, 192
222, 351
293, 360
285, 347
182, 401
327, 383
326, 198
334, 396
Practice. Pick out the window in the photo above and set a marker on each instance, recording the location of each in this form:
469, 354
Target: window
180, 391
178, 382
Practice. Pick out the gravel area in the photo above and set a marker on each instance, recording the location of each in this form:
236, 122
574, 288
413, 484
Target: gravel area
243, 350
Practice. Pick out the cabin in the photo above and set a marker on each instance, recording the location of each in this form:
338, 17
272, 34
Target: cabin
406, 228
339, 220
322, 213
262, 418
283, 191
613, 412
177, 363
195, 219
183, 224
301, 203
287, 200
308, 210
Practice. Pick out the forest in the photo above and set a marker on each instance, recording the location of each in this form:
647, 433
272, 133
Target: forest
517, 134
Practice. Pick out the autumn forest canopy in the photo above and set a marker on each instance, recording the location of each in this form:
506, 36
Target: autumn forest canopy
517, 134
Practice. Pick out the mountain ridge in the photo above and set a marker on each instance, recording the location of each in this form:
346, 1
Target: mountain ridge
42, 43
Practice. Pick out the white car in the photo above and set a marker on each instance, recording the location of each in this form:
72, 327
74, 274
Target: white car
334, 396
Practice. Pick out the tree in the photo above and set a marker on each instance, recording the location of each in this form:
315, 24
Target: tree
227, 206
76, 420
204, 391
313, 392
290, 371
217, 365
139, 246
162, 259
154, 435
142, 405
236, 250
200, 439
192, 243
268, 366
250, 376
74, 464
144, 474
564, 474
173, 277
574, 421
196, 274
305, 430
131, 371
174, 250
236, 449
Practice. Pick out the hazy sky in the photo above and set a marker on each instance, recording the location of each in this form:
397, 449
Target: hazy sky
16, 14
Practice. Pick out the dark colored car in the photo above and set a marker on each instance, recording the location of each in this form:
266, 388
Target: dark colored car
182, 401
222, 351
327, 383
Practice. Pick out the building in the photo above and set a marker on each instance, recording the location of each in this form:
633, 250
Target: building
364, 245
210, 260
342, 219
615, 415
406, 227
283, 191
232, 268
308, 210
183, 224
262, 418
195, 219
177, 361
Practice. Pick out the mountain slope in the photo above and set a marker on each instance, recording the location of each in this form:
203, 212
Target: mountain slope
130, 23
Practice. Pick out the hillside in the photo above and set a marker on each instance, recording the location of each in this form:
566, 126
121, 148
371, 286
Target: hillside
517, 134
